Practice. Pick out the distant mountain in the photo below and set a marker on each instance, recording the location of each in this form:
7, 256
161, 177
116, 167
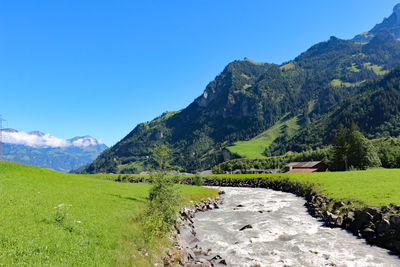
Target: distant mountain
390, 24
44, 150
248, 98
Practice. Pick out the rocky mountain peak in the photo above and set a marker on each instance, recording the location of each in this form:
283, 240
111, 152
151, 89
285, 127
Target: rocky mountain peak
390, 24
396, 12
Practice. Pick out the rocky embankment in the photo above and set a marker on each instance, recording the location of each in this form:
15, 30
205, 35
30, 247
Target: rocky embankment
378, 225
182, 253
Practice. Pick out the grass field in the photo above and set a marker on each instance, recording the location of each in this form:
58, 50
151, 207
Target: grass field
255, 147
52, 218
374, 187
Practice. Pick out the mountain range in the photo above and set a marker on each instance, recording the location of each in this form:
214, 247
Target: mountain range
333, 82
44, 150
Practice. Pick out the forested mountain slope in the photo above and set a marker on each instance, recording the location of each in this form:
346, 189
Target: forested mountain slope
375, 108
248, 98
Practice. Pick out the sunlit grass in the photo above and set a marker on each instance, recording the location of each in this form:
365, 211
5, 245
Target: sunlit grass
375, 187
255, 147
53, 218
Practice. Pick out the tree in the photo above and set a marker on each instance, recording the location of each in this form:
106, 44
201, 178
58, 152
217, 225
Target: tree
164, 197
160, 156
339, 150
361, 153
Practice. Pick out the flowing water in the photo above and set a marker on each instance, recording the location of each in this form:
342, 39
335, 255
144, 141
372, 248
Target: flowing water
283, 234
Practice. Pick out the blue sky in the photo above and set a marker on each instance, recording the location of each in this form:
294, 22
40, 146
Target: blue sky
73, 68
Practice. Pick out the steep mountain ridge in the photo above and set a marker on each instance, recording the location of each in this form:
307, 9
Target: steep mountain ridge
390, 24
248, 98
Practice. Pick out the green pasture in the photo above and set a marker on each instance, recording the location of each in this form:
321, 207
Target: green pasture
255, 147
374, 187
52, 218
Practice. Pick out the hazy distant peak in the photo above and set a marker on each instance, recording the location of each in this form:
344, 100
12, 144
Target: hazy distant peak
9, 130
85, 141
39, 139
38, 133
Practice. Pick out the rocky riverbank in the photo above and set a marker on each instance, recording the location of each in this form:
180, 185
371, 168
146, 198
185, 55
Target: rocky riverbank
378, 225
183, 253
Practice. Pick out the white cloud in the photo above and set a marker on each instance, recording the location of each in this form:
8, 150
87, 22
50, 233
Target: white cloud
45, 140
85, 142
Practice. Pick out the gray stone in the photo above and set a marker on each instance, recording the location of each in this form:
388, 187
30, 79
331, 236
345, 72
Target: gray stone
339, 221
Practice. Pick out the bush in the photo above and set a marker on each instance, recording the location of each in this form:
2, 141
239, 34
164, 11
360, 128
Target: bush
198, 180
164, 201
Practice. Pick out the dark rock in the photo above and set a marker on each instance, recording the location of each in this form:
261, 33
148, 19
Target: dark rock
223, 262
395, 221
362, 219
239, 206
338, 205
248, 226
373, 210
386, 209
216, 257
382, 227
377, 217
368, 233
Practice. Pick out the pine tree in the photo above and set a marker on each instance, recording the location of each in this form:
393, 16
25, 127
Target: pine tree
340, 149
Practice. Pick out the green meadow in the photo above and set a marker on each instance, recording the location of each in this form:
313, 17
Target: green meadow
374, 187
53, 218
255, 147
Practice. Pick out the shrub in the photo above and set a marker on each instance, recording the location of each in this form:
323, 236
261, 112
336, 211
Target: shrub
164, 201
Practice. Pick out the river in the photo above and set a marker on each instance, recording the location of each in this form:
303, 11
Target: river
282, 234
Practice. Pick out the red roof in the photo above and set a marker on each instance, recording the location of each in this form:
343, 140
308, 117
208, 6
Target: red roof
302, 170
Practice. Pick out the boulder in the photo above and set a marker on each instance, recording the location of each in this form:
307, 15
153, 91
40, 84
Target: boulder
382, 227
368, 233
361, 220
223, 262
395, 222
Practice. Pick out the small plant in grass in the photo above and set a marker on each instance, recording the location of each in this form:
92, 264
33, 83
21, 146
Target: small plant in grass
198, 180
62, 217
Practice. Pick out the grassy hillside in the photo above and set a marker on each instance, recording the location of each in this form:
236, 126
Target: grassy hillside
255, 147
375, 187
52, 218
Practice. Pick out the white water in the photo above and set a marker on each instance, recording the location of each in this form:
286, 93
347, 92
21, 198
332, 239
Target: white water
283, 235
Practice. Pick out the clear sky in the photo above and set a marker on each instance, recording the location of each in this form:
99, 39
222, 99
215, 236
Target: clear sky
73, 67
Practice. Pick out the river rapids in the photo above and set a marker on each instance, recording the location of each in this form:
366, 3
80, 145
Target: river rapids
282, 234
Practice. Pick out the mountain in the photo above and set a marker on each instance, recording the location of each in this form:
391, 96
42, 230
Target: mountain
249, 98
44, 150
374, 108
390, 24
